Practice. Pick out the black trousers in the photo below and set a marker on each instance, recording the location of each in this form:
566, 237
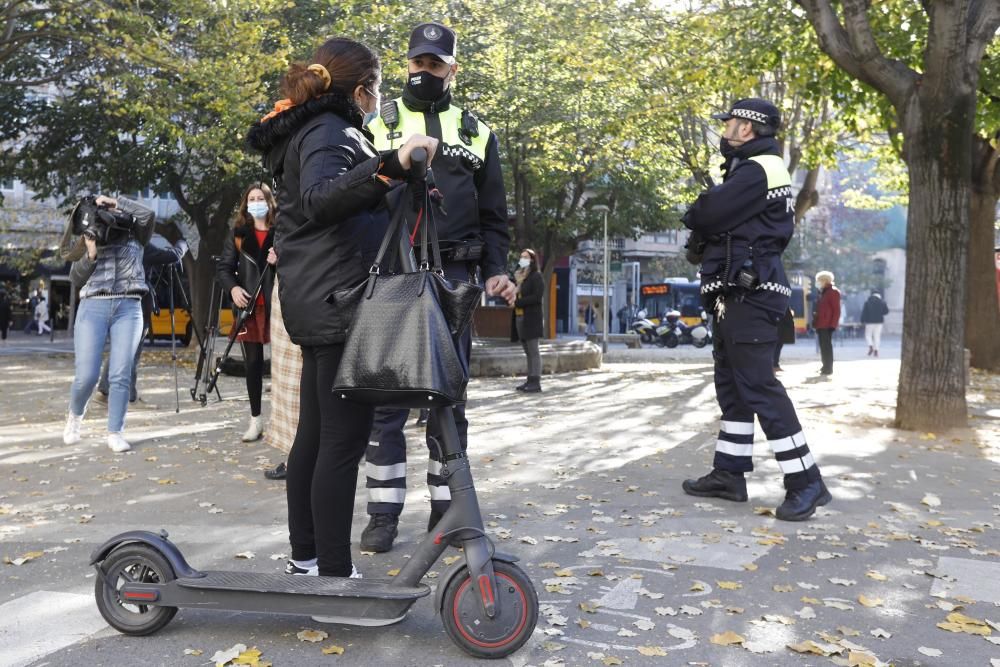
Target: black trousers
323, 465
826, 349
253, 358
385, 469
745, 385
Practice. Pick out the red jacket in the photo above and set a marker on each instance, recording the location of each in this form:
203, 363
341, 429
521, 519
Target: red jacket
828, 310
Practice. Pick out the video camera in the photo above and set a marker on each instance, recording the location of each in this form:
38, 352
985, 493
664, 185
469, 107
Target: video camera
100, 222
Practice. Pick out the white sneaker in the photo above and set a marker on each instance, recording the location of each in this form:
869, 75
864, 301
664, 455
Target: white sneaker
71, 432
354, 573
118, 443
254, 430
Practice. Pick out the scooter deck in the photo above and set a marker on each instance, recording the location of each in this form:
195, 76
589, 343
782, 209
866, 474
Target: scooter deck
255, 582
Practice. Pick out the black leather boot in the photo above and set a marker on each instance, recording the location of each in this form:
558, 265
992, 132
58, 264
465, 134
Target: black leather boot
524, 384
800, 504
533, 385
382, 529
279, 471
718, 484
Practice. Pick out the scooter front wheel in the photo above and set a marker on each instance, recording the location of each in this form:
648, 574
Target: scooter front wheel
127, 564
484, 637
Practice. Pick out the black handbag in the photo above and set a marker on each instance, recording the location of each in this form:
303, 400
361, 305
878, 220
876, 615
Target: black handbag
402, 340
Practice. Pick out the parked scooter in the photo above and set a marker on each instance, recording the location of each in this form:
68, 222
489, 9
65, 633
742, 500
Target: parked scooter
673, 331
643, 327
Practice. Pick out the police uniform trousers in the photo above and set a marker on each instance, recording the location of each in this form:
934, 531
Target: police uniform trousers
385, 459
745, 385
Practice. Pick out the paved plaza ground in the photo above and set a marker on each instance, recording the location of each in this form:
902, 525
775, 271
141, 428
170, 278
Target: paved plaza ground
583, 482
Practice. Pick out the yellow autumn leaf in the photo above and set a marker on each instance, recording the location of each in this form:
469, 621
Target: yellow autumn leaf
783, 588
809, 646
750, 567
697, 587
393, 572
311, 635
729, 585
727, 638
651, 651
333, 649
611, 661
563, 573
877, 576
448, 560
251, 657
859, 659
870, 602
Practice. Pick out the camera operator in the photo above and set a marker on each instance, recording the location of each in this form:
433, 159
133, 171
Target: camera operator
107, 267
153, 256
740, 229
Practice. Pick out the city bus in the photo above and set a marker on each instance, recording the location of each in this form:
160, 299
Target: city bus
685, 296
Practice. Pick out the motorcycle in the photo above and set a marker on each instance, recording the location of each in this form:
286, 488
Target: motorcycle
673, 331
643, 327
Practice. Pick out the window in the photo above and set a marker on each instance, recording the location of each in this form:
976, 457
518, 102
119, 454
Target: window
6, 184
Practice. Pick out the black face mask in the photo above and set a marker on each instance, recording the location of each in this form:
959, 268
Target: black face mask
425, 86
726, 148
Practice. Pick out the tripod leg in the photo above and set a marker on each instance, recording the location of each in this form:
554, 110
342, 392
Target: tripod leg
173, 344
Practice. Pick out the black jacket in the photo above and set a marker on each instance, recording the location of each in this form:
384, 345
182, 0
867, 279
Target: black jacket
759, 221
329, 187
530, 299
243, 267
874, 311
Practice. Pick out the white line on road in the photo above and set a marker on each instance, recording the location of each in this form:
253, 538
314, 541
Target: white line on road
43, 622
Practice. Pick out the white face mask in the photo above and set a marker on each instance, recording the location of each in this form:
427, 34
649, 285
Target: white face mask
524, 262
258, 209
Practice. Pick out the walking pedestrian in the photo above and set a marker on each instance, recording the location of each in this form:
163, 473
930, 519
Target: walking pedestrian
112, 283
286, 374
5, 311
33, 300
827, 318
331, 181
590, 318
786, 336
475, 240
527, 317
244, 261
743, 225
873, 316
42, 315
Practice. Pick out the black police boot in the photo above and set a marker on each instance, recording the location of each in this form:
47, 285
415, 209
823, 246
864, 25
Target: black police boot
524, 384
718, 484
279, 471
422, 417
800, 504
382, 529
533, 385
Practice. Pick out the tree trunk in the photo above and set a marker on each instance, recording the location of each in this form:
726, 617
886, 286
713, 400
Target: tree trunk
938, 151
982, 310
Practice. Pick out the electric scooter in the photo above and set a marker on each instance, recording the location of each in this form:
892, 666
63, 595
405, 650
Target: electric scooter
487, 603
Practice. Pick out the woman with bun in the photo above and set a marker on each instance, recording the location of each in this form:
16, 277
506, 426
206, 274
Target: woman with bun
330, 185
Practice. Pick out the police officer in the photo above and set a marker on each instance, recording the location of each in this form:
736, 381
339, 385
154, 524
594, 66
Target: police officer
739, 230
474, 236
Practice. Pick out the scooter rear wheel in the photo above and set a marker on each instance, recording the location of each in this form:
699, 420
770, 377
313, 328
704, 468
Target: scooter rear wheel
483, 637
132, 563
700, 342
671, 340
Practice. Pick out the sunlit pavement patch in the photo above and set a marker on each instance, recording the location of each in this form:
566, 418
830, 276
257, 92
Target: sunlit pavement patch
30, 626
975, 579
731, 552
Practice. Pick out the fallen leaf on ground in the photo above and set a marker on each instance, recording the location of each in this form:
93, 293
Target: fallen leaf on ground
611, 661
809, 646
246, 555
333, 649
727, 638
783, 588
310, 635
880, 633
931, 500
929, 652
651, 651
193, 651
870, 602
877, 576
393, 572
729, 585
224, 657
862, 659
30, 556
956, 622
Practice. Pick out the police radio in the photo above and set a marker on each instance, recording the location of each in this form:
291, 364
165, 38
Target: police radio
390, 116
469, 128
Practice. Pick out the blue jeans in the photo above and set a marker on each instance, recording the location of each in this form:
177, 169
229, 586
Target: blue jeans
98, 320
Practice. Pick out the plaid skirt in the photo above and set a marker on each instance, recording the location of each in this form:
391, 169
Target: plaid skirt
286, 370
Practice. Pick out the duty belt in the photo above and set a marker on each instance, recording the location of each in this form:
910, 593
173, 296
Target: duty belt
717, 285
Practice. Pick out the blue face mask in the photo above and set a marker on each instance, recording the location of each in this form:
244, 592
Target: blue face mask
258, 209
373, 114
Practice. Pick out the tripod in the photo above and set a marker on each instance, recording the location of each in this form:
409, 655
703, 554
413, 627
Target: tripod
244, 315
207, 346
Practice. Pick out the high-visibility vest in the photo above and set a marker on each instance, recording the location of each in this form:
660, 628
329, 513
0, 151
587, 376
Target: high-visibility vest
453, 143
779, 181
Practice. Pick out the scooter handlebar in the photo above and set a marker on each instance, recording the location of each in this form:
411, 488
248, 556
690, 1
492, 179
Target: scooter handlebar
418, 164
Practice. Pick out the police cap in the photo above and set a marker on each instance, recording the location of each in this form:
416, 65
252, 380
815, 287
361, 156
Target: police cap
755, 109
434, 39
